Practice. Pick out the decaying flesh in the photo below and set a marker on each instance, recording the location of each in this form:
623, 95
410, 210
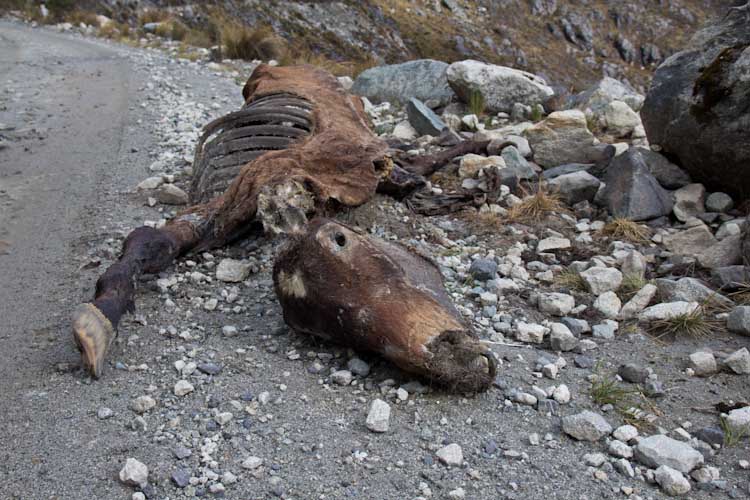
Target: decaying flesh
337, 283
300, 146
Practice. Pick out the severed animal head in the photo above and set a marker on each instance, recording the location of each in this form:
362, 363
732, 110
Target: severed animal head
337, 283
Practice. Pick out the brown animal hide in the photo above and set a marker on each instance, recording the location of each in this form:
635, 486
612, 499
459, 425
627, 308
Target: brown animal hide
337, 283
331, 158
300, 145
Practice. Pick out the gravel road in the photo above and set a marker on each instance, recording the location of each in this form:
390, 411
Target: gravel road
83, 122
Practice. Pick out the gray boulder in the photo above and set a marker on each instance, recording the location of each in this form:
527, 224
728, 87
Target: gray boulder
500, 86
658, 450
669, 175
696, 109
563, 137
689, 290
575, 187
586, 426
631, 191
606, 90
424, 79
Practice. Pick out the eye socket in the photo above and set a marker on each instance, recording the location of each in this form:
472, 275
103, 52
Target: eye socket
340, 239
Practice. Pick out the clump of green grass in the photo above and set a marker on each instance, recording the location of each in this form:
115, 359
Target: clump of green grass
631, 284
606, 389
537, 113
621, 228
476, 102
570, 280
695, 324
732, 437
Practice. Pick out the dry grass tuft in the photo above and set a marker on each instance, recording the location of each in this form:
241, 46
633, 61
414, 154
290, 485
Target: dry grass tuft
626, 229
153, 16
742, 295
80, 16
537, 207
571, 280
243, 42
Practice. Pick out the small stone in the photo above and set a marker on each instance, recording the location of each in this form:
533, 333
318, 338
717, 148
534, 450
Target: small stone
252, 463
671, 481
556, 304
232, 271
594, 459
605, 330
358, 367
633, 373
639, 302
552, 243
138, 496
451, 455
342, 377
561, 394
668, 310
619, 449
584, 362
170, 194
223, 418
378, 416
181, 453
739, 320
719, 202
739, 362
703, 363
483, 269
142, 404
150, 183
625, 433
530, 332
228, 478
738, 421
209, 368
525, 398
705, 474
181, 478
608, 304
104, 413
561, 338
183, 387
600, 280
229, 331
457, 493
134, 473
586, 426
658, 450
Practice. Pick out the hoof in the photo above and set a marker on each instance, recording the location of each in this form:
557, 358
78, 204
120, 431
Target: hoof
93, 334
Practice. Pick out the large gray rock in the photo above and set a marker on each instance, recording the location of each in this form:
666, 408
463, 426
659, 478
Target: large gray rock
669, 175
696, 109
424, 79
603, 92
631, 191
658, 450
689, 290
500, 86
575, 187
563, 137
739, 320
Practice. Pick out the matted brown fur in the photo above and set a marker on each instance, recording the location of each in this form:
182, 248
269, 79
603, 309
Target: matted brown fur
336, 162
337, 283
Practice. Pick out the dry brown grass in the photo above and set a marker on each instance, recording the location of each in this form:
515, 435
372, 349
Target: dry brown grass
537, 207
153, 16
625, 229
570, 280
81, 16
249, 43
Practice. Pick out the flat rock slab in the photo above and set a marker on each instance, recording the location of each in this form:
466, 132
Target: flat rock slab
658, 450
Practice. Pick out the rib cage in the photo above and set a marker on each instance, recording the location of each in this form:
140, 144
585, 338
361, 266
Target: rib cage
269, 123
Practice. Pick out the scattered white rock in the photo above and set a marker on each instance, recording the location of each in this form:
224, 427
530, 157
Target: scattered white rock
134, 473
378, 416
608, 304
552, 243
658, 450
556, 304
232, 271
183, 388
668, 310
703, 363
671, 481
252, 463
450, 455
586, 426
739, 361
601, 280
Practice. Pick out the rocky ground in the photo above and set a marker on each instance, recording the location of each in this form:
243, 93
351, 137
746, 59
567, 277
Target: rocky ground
208, 394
